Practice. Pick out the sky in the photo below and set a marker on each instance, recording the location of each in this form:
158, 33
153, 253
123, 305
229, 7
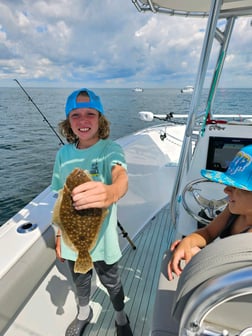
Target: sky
109, 44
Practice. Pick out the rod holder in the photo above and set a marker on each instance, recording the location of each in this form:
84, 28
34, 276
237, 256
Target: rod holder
26, 227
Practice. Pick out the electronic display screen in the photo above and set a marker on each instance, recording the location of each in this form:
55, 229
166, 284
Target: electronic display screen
221, 151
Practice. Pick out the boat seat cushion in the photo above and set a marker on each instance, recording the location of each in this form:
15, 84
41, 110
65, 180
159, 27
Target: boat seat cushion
219, 257
163, 324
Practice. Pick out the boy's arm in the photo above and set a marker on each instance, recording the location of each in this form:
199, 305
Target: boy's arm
95, 194
119, 184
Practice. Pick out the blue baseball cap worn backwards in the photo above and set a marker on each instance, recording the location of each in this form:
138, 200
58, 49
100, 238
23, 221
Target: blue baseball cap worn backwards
94, 101
239, 173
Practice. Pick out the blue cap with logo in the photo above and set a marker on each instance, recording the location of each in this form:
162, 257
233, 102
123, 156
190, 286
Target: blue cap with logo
94, 101
239, 173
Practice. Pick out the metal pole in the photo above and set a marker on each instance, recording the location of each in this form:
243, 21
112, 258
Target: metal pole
204, 59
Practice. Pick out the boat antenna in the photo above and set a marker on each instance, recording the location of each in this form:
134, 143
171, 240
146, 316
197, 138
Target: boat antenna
38, 109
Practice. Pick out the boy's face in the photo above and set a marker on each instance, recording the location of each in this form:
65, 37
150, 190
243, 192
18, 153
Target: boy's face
85, 123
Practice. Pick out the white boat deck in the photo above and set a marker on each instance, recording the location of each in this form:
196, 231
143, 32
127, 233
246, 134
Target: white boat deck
140, 270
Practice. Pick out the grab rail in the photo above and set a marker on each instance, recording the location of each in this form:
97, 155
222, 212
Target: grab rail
212, 293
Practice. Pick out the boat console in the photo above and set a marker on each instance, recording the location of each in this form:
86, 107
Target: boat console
222, 142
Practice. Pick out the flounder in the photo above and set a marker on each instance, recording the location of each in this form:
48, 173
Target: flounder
80, 228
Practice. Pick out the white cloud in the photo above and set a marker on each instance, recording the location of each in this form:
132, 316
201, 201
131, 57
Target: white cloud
107, 44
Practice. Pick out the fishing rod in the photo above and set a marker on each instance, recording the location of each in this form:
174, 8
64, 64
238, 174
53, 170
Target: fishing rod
38, 109
124, 233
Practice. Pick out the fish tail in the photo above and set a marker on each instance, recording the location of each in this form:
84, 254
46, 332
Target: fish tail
83, 263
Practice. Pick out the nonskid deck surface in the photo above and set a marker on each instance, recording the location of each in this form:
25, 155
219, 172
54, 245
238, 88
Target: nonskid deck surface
140, 270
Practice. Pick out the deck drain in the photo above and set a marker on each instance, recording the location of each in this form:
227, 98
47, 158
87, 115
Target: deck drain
26, 227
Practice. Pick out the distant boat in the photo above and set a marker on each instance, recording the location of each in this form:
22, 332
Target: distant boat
138, 89
187, 89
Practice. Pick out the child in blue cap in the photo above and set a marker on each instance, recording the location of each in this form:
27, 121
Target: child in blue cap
87, 130
235, 219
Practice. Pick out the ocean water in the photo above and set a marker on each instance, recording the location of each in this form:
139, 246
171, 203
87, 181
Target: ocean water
28, 145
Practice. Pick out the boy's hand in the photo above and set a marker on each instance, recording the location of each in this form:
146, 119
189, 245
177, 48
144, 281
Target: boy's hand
91, 194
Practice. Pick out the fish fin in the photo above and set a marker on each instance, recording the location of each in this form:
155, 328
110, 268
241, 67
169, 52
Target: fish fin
67, 240
103, 216
57, 220
83, 263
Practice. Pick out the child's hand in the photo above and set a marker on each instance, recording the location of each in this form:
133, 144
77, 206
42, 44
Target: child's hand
92, 194
182, 251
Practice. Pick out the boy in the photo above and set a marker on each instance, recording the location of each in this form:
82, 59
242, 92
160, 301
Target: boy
87, 130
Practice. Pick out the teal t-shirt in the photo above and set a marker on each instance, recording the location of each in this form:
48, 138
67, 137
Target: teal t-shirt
98, 160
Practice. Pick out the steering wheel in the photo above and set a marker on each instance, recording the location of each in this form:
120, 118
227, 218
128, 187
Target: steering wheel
209, 207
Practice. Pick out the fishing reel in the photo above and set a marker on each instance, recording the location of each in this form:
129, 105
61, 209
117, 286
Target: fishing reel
203, 208
149, 116
170, 118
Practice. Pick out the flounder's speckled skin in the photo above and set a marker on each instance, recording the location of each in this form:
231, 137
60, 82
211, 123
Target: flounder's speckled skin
79, 229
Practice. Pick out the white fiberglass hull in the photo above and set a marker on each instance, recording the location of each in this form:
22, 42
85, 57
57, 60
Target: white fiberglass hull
152, 167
